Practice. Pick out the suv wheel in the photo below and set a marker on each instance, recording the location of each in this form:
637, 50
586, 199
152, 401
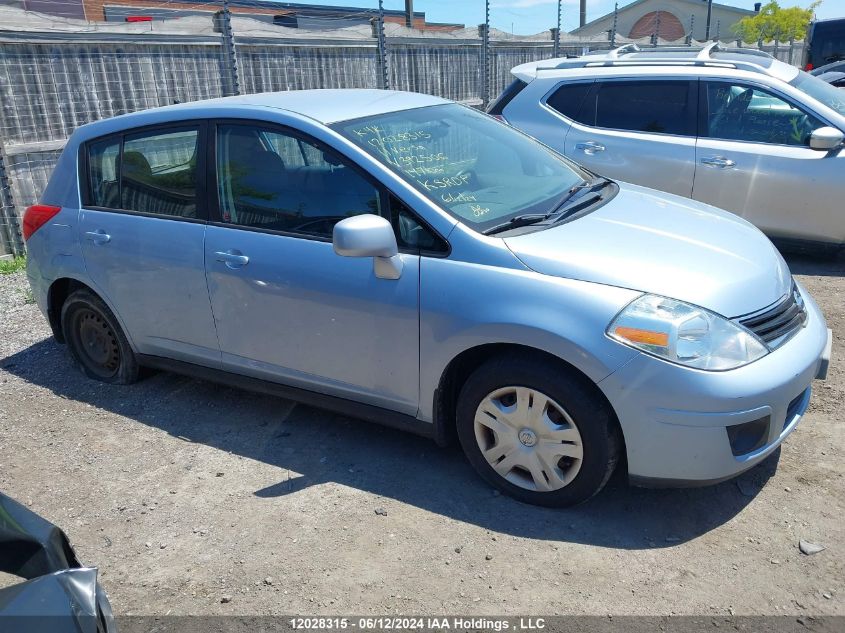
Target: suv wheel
96, 341
537, 433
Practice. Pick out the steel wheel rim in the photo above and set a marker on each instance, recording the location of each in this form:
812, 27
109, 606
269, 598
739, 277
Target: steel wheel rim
97, 343
528, 438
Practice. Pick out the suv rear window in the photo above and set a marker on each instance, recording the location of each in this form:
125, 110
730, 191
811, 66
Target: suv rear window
659, 107
827, 42
496, 108
568, 99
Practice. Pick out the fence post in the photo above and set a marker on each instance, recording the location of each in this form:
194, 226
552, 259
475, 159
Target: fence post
691, 29
556, 32
378, 33
223, 25
9, 219
791, 47
718, 29
656, 37
777, 44
615, 24
484, 31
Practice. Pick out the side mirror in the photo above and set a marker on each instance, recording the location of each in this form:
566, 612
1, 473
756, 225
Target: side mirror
826, 138
369, 235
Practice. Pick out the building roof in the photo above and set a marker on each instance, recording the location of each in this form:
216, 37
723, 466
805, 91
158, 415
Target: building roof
698, 3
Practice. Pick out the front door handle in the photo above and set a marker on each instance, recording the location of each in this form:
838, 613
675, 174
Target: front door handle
98, 237
590, 147
718, 161
232, 258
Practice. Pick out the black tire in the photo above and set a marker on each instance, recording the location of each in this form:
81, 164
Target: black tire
596, 423
96, 341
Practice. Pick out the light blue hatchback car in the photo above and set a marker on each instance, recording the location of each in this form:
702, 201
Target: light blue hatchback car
406, 259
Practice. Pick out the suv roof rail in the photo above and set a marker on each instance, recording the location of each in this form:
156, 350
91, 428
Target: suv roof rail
625, 48
706, 52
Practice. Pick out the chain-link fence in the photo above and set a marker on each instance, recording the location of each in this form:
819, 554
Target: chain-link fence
55, 78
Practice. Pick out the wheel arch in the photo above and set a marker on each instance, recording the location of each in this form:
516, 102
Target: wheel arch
58, 292
461, 367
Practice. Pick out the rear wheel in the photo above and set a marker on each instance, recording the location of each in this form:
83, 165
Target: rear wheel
96, 341
537, 432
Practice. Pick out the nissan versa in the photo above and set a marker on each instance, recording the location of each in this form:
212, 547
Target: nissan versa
406, 259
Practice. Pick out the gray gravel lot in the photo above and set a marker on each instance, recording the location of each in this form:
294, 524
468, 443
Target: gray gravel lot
194, 498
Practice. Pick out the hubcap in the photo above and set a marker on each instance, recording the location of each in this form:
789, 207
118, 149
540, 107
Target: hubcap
528, 438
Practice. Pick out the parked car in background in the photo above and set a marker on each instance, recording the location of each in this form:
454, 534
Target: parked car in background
836, 79
833, 67
736, 129
825, 43
406, 259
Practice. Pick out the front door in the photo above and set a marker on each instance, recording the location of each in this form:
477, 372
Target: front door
287, 308
638, 131
754, 159
142, 227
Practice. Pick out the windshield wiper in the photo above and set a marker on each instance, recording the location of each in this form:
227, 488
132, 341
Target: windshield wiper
516, 222
574, 198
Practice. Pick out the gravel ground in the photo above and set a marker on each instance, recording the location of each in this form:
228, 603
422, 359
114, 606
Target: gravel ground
193, 498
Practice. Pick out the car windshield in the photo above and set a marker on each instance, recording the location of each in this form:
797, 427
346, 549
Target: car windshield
831, 96
481, 171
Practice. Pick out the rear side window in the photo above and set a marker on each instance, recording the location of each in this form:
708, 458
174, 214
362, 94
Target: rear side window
497, 107
658, 107
103, 171
159, 173
151, 172
569, 98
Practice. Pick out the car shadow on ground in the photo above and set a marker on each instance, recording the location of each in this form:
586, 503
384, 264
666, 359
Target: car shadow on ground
822, 264
318, 447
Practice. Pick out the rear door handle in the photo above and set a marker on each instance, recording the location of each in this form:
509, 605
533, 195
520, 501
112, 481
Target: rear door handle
590, 147
718, 161
232, 258
98, 237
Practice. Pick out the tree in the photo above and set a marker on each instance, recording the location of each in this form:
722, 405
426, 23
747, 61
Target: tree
774, 22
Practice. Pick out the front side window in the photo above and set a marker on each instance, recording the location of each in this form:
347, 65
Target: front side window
271, 180
740, 112
657, 107
475, 168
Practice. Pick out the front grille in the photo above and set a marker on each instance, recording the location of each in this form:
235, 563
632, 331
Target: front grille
779, 321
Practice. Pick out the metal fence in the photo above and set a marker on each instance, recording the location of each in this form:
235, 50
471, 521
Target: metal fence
52, 82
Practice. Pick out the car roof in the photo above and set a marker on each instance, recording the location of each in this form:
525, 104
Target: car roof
324, 105
632, 56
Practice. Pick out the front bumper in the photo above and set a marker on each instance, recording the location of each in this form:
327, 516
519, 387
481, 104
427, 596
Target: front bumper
674, 419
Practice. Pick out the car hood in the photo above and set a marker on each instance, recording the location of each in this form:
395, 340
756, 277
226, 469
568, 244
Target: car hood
663, 244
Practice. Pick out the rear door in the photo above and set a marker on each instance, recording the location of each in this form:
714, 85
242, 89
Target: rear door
142, 227
636, 130
754, 159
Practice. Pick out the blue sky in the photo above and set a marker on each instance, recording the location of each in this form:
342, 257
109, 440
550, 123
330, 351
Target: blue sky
533, 16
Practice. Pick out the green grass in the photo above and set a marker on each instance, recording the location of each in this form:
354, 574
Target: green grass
9, 266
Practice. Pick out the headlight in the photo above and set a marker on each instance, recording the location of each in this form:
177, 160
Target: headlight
685, 334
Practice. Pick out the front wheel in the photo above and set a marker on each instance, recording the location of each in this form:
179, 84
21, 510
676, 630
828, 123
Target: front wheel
96, 341
537, 432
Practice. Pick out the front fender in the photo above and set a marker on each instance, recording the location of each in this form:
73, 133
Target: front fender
465, 305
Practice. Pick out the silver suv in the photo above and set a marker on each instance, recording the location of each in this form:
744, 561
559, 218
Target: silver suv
736, 129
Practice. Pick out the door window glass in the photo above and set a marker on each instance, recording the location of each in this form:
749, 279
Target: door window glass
102, 173
270, 180
745, 113
660, 107
159, 173
568, 99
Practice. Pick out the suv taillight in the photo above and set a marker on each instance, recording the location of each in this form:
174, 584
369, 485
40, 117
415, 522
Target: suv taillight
37, 216
808, 67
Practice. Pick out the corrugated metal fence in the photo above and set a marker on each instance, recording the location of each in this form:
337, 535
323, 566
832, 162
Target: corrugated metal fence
51, 83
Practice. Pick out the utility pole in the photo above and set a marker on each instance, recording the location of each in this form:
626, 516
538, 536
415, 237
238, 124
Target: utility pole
709, 16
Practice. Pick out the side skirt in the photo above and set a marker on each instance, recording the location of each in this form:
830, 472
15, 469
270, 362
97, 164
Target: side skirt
351, 408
